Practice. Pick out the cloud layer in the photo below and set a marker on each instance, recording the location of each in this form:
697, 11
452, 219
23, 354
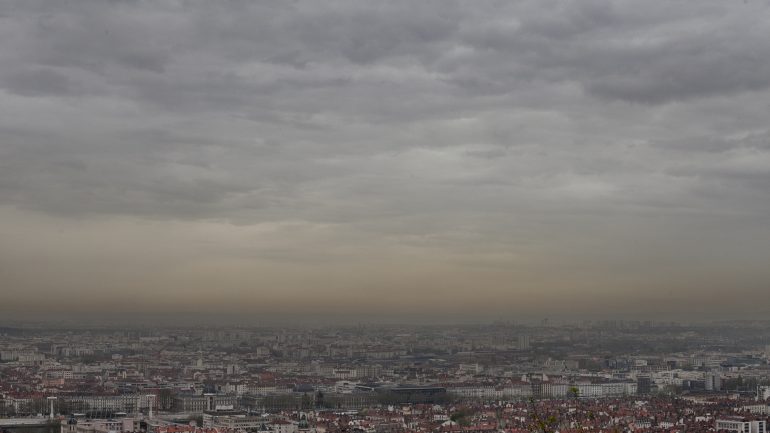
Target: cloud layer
491, 155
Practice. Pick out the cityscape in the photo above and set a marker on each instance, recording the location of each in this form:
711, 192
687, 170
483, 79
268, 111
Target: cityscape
610, 375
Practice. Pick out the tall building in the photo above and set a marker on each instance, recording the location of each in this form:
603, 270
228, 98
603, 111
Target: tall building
643, 384
523, 342
713, 382
763, 393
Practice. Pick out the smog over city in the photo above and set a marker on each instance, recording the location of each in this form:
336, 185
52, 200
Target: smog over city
361, 216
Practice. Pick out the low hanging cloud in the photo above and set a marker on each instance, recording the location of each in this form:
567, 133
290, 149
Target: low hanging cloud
494, 142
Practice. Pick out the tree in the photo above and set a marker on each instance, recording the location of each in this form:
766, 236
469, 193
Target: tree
574, 392
305, 402
542, 423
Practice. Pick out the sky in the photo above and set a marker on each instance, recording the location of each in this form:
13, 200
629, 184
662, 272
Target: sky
526, 158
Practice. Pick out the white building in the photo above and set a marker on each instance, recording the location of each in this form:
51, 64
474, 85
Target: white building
741, 425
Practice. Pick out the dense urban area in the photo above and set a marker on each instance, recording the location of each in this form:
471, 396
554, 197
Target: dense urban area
605, 376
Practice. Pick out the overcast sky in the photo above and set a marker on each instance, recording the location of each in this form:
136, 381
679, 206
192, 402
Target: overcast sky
505, 158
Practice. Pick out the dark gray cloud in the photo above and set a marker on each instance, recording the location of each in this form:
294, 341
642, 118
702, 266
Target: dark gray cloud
525, 135
38, 82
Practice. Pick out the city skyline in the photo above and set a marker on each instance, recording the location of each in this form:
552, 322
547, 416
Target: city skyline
468, 160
